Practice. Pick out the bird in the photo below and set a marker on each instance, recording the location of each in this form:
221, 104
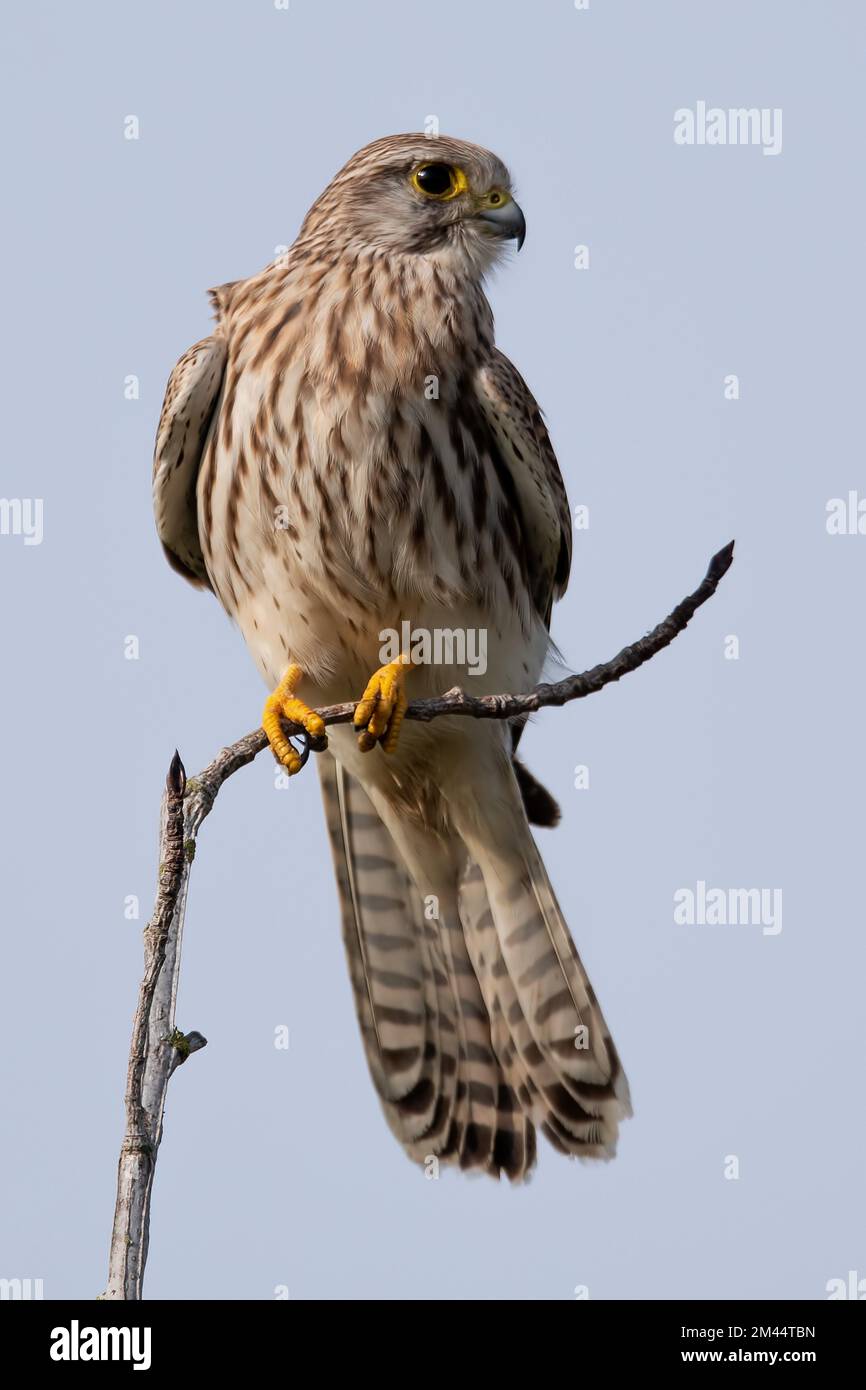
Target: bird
345, 457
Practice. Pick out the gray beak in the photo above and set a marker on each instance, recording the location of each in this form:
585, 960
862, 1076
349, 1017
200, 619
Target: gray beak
507, 220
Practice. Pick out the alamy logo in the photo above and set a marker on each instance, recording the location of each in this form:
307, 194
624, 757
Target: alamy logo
846, 516
22, 516
438, 646
734, 907
853, 1287
20, 1289
76, 1343
739, 125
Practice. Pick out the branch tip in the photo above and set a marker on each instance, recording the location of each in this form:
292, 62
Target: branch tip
721, 562
176, 779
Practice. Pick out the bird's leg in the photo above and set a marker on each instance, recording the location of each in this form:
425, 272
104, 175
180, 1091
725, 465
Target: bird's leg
284, 704
380, 712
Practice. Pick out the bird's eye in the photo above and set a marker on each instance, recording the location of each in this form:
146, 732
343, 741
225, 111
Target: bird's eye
439, 180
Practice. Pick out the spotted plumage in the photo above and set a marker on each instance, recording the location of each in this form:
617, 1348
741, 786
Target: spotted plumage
348, 452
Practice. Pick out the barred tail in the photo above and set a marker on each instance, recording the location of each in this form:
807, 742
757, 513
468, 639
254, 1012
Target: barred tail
423, 1018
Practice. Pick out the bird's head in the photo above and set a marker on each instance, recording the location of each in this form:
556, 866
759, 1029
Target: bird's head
413, 194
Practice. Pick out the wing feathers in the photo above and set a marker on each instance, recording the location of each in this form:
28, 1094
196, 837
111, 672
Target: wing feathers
524, 445
191, 399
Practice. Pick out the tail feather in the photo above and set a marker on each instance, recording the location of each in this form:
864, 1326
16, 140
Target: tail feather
536, 1082
548, 1029
396, 996
477, 1016
422, 1015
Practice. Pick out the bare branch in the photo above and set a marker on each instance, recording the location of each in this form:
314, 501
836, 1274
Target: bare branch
158, 1047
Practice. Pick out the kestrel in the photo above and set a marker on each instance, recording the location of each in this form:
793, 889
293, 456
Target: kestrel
348, 456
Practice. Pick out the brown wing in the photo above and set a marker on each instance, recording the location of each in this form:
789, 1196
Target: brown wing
515, 418
191, 399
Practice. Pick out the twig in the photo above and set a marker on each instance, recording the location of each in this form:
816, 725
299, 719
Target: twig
158, 1047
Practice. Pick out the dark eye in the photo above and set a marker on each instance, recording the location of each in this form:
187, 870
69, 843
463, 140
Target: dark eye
439, 180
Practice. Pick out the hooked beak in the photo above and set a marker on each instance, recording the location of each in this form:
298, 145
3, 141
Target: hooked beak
506, 220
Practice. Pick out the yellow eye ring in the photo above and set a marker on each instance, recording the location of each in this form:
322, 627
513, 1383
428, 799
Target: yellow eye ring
439, 181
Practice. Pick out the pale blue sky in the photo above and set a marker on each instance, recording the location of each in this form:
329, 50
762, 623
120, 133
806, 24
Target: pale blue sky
277, 1168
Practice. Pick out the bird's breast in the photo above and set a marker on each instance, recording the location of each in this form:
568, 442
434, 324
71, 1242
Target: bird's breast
345, 492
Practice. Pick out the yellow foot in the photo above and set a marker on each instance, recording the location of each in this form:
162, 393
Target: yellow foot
283, 704
383, 704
